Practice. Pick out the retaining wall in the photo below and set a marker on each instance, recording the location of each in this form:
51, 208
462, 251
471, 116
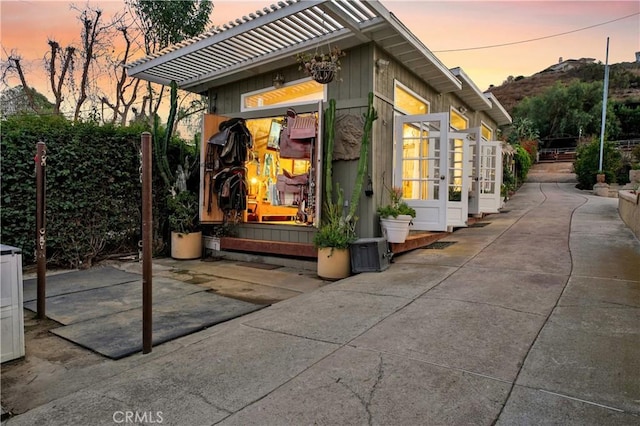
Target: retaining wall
629, 209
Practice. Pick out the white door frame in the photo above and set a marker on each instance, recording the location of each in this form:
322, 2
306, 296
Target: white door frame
490, 172
459, 169
474, 169
427, 179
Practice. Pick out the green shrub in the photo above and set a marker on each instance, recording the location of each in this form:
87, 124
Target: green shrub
523, 162
588, 159
93, 188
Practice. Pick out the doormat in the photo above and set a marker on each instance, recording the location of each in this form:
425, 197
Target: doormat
479, 224
439, 245
259, 265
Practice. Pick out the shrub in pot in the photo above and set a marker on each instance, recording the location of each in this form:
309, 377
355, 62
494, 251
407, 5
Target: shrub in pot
396, 217
186, 239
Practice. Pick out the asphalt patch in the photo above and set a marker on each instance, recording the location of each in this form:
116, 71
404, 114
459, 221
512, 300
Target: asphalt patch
75, 281
84, 305
119, 335
101, 309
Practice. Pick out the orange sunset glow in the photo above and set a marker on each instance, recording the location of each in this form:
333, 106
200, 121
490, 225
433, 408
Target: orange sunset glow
455, 31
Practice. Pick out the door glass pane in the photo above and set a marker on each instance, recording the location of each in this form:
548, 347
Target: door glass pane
488, 169
456, 168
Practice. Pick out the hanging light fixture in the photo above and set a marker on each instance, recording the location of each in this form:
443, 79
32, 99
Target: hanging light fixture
278, 81
369, 190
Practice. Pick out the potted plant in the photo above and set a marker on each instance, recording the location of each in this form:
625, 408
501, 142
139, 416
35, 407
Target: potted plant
186, 238
396, 217
337, 232
322, 67
332, 241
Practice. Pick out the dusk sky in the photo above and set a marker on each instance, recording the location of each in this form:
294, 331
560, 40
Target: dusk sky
441, 26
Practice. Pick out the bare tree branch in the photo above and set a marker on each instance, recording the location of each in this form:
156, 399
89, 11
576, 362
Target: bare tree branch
66, 64
90, 34
14, 65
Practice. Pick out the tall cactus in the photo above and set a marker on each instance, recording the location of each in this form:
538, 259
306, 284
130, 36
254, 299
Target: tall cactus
330, 131
369, 118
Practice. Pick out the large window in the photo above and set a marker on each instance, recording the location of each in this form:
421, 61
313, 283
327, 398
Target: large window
408, 102
299, 92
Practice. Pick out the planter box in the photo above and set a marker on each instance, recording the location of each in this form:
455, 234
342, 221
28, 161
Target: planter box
370, 255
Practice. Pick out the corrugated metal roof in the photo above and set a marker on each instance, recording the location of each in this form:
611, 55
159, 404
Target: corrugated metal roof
270, 38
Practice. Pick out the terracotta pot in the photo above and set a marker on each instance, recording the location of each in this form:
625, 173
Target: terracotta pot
333, 263
601, 178
186, 246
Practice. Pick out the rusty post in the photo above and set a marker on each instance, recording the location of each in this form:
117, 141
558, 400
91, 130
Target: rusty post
41, 230
147, 327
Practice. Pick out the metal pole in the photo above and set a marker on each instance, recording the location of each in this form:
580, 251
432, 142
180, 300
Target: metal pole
41, 230
147, 324
604, 105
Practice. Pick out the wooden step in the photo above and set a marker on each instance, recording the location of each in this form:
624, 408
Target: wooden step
417, 239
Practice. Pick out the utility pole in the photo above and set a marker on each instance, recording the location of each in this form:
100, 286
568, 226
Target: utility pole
604, 105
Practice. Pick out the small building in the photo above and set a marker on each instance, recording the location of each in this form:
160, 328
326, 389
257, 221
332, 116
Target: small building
434, 136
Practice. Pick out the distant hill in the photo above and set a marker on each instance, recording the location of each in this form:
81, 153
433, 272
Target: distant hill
624, 81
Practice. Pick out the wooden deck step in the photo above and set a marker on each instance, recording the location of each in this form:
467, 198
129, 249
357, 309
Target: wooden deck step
269, 247
417, 239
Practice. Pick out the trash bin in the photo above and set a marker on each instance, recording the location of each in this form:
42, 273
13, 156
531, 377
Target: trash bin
11, 313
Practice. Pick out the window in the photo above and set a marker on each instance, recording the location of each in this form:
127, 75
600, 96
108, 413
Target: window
408, 102
487, 133
458, 121
295, 93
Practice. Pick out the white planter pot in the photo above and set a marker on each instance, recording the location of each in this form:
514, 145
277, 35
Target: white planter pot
396, 230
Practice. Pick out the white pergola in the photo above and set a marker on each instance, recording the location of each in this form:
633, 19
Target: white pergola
270, 39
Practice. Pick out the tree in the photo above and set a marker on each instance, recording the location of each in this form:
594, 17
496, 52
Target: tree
60, 64
571, 110
13, 66
17, 100
92, 35
164, 23
126, 88
66, 57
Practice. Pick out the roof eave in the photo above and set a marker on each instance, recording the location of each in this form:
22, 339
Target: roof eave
497, 111
471, 94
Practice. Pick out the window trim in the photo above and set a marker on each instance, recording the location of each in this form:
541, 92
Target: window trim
243, 96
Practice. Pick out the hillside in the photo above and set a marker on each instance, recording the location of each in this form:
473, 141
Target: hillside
624, 82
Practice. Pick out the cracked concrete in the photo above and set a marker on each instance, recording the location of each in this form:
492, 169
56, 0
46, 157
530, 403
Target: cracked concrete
532, 319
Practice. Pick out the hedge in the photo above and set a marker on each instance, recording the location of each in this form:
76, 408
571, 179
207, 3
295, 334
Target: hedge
93, 189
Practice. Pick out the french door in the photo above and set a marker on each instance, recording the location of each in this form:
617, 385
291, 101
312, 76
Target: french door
490, 176
420, 169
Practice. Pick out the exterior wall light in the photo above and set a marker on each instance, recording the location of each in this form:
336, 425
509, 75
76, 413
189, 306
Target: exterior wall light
278, 81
